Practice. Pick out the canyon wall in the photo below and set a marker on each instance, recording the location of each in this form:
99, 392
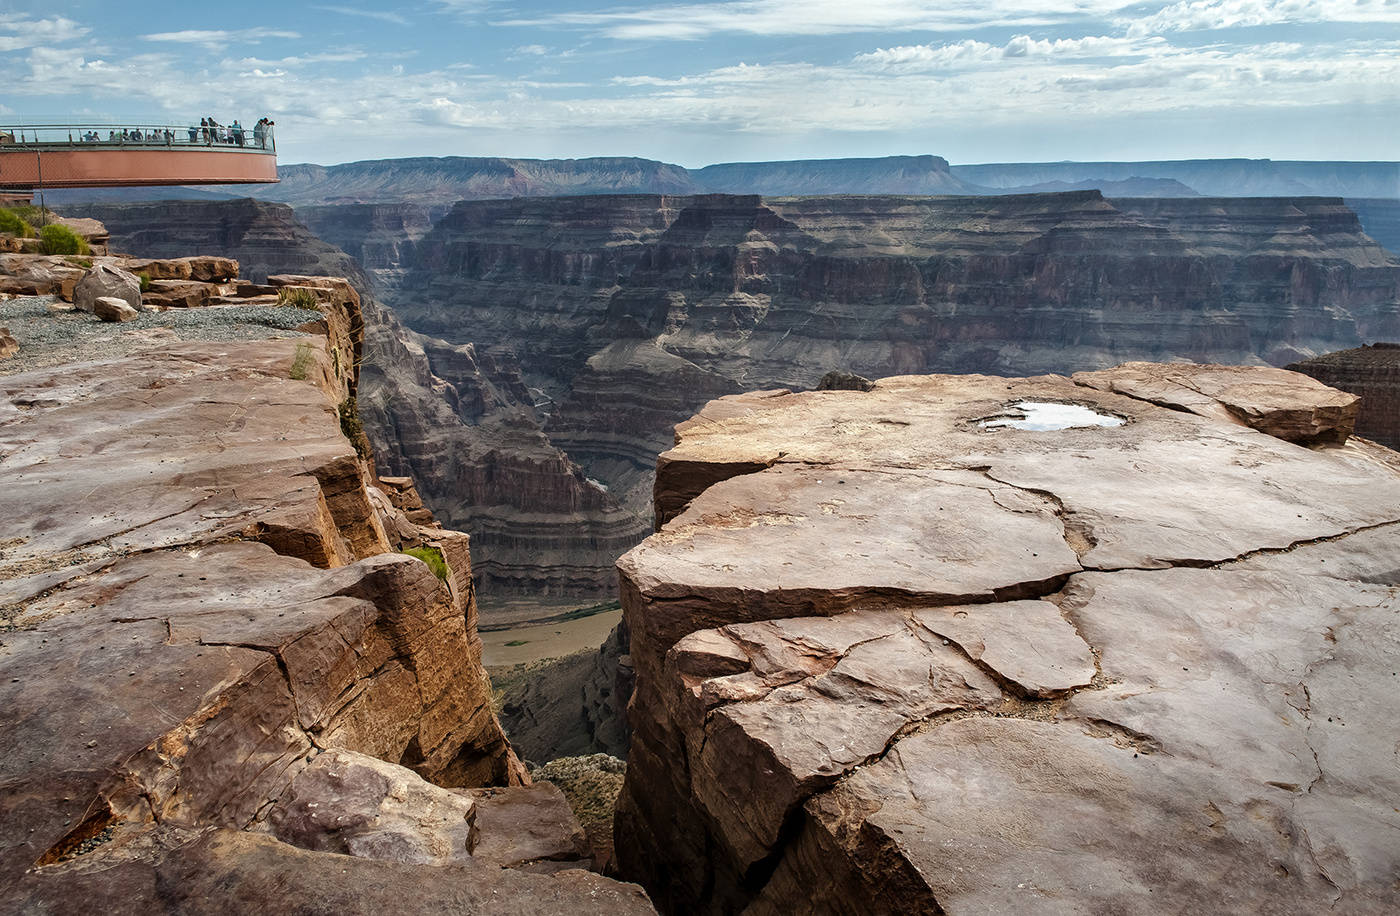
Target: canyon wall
916, 650
628, 312
1372, 373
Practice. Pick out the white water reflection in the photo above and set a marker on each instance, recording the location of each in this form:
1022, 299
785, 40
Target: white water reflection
1045, 416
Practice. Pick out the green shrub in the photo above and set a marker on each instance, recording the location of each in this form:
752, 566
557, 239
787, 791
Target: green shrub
433, 557
296, 297
305, 355
59, 239
11, 223
353, 429
145, 279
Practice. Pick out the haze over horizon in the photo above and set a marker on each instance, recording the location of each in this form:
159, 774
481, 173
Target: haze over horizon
704, 82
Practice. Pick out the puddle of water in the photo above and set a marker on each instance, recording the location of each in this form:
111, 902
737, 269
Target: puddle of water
1046, 416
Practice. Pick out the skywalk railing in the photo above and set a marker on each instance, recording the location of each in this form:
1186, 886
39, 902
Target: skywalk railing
138, 136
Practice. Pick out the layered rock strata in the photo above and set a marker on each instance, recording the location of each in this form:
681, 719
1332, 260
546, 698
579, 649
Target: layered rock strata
201, 600
629, 312
897, 655
1371, 372
265, 238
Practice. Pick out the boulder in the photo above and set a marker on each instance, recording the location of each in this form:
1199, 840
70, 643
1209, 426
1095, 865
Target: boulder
529, 827
354, 804
110, 308
213, 270
8, 345
178, 293
107, 280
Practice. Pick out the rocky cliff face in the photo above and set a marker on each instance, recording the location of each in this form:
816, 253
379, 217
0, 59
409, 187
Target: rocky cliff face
225, 680
1372, 373
630, 311
380, 237
969, 644
460, 422
265, 238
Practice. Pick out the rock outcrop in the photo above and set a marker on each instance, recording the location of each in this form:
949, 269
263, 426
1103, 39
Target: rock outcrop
200, 598
1372, 373
895, 655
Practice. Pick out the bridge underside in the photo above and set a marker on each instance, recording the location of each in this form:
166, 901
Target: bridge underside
29, 168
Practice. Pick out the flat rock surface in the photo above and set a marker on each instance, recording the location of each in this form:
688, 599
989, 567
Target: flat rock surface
1165, 692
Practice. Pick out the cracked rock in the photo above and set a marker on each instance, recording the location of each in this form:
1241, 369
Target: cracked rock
913, 665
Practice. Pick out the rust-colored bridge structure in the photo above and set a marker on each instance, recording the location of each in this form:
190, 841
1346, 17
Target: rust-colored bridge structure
36, 157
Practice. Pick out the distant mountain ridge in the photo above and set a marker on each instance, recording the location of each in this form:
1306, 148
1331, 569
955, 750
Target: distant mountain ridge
437, 183
1208, 177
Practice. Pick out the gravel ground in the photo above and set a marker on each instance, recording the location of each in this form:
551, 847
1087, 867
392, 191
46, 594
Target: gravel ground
50, 339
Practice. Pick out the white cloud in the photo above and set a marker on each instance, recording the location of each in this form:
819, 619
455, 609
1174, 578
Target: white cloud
33, 33
971, 53
216, 38
821, 17
381, 15
1203, 15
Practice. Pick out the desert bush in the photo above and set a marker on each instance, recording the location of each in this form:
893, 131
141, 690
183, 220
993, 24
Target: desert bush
59, 239
11, 223
145, 279
296, 297
353, 429
433, 557
302, 361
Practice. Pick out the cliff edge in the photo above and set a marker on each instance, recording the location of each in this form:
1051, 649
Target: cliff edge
966, 644
224, 683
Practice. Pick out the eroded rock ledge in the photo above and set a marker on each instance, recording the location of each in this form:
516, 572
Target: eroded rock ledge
891, 659
222, 682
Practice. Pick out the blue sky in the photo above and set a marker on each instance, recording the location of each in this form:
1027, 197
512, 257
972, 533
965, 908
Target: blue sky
702, 82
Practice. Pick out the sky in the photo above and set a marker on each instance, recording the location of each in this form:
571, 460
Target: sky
732, 80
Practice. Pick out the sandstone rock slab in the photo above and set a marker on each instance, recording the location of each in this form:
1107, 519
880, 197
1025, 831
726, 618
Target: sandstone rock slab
8, 345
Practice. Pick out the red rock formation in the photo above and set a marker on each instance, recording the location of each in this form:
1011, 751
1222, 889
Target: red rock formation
199, 595
893, 659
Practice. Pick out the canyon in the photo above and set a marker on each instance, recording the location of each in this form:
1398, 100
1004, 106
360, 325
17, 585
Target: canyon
901, 645
535, 352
